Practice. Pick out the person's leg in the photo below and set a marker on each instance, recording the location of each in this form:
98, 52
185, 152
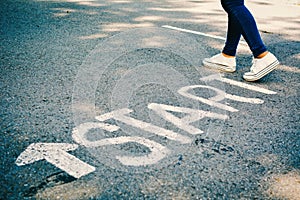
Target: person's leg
242, 21
264, 62
234, 32
225, 61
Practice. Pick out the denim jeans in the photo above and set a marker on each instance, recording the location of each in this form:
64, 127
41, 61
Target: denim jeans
241, 22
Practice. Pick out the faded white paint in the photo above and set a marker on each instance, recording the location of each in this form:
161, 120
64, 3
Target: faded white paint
199, 33
184, 123
158, 151
244, 99
184, 91
56, 154
215, 77
121, 115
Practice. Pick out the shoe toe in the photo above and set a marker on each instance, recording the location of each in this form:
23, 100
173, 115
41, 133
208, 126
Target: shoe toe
249, 74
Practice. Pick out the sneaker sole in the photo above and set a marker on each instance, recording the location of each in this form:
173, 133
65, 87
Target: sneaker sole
263, 72
215, 66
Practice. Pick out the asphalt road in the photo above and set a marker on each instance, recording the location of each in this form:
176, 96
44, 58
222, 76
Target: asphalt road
102, 100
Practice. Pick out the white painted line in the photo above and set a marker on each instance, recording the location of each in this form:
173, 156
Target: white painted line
244, 99
212, 101
157, 153
184, 123
121, 115
237, 83
56, 154
247, 86
199, 33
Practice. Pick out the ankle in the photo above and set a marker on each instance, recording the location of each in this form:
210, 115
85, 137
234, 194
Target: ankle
227, 56
262, 55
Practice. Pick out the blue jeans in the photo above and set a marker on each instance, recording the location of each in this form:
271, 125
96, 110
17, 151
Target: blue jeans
241, 22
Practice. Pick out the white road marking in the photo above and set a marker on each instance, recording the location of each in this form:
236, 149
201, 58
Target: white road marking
199, 33
80, 131
212, 101
121, 115
237, 83
184, 122
56, 154
244, 99
158, 151
247, 86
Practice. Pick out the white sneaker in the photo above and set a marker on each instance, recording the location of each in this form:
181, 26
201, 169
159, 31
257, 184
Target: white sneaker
261, 67
221, 63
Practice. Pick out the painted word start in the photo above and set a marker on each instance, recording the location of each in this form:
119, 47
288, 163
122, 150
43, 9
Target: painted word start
56, 153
